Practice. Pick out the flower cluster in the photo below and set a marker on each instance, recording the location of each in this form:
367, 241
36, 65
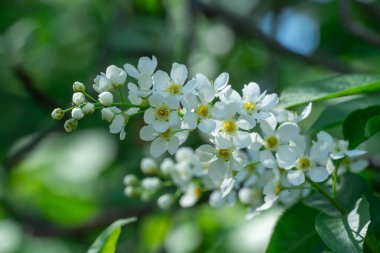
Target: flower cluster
255, 152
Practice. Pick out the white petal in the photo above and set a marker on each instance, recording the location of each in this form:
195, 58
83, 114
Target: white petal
304, 114
223, 142
216, 199
288, 131
174, 119
173, 145
268, 125
227, 185
207, 126
355, 152
131, 70
286, 157
217, 170
269, 101
257, 141
246, 123
158, 147
156, 100
147, 65
251, 91
205, 153
323, 136
172, 102
318, 174
160, 80
221, 81
206, 93
117, 124
178, 73
122, 134
160, 126
147, 133
242, 139
189, 101
358, 166
189, 121
296, 177
267, 159
149, 116
189, 87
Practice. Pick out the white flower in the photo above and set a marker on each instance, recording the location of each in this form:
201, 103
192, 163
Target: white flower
222, 162
143, 74
116, 75
162, 114
192, 193
118, 124
57, 114
165, 201
151, 184
106, 98
173, 85
283, 115
78, 98
88, 108
77, 113
102, 84
213, 89
338, 148
78, 87
149, 166
169, 140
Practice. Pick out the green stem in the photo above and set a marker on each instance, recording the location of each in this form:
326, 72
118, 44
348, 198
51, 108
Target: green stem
335, 177
326, 195
121, 96
68, 109
90, 97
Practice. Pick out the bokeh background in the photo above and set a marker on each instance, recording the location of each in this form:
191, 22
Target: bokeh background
58, 191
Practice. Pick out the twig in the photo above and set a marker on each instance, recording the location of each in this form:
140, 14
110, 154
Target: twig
245, 26
354, 27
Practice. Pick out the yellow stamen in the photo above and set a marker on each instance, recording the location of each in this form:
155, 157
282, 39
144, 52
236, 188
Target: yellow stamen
174, 89
229, 127
162, 112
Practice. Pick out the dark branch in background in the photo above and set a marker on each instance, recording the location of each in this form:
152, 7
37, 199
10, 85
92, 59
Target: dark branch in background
40, 98
245, 26
354, 27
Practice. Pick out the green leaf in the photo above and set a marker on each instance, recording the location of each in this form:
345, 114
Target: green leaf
360, 125
345, 234
107, 240
335, 114
294, 232
332, 87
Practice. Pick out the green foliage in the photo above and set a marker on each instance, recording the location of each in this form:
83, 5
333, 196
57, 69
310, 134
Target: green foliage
294, 232
335, 114
107, 240
360, 125
328, 88
345, 234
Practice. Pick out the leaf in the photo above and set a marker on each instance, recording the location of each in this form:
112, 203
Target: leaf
355, 128
294, 232
328, 88
345, 234
107, 240
335, 114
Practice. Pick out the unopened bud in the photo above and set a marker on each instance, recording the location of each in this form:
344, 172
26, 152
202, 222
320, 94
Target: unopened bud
130, 180
78, 87
70, 125
78, 98
106, 98
77, 113
165, 201
107, 114
88, 108
149, 166
58, 114
131, 192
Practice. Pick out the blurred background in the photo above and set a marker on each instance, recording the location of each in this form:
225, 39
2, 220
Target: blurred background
58, 191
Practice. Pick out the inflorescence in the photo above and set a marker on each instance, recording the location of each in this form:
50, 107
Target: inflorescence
255, 152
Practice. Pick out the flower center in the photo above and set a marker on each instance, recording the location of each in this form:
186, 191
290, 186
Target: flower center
173, 89
162, 112
229, 127
197, 191
250, 106
166, 135
271, 142
203, 111
278, 189
303, 163
223, 153
250, 168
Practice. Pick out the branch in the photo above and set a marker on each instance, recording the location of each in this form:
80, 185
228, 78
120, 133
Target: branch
245, 26
40, 98
355, 28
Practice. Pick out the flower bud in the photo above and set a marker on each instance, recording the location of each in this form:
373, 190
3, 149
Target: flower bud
148, 166
248, 196
77, 113
131, 192
151, 184
78, 98
130, 179
58, 114
107, 114
70, 125
78, 87
88, 108
106, 98
167, 166
165, 201
116, 75
102, 84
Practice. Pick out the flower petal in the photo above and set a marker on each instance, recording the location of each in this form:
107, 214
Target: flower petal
158, 147
189, 121
221, 81
147, 133
131, 70
178, 73
160, 126
207, 126
296, 177
267, 159
318, 174
288, 131
217, 170
173, 145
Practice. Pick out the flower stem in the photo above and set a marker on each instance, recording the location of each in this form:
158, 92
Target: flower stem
121, 96
335, 177
326, 195
90, 97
